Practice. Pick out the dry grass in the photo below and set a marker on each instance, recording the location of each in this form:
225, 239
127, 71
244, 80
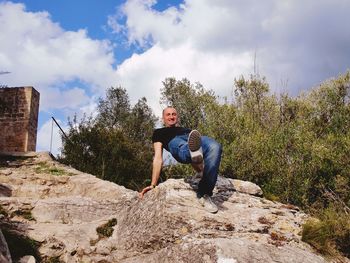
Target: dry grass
330, 234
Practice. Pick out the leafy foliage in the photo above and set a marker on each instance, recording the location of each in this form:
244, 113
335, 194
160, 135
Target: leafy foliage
115, 145
191, 101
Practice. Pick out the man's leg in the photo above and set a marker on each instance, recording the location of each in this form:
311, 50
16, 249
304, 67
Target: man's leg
178, 148
212, 150
212, 156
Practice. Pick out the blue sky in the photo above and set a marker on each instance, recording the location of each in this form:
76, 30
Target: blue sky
72, 51
90, 15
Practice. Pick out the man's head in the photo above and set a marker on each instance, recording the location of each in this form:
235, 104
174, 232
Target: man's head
170, 117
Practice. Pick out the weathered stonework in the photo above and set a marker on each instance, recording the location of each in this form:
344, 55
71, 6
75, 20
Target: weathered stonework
19, 107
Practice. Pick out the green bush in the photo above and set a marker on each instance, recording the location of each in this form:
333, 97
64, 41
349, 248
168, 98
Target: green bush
330, 233
106, 230
116, 144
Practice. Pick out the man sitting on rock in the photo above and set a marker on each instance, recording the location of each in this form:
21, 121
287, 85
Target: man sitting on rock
187, 146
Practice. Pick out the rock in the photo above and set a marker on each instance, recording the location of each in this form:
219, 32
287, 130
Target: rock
227, 184
4, 250
27, 259
71, 218
5, 172
69, 210
170, 223
5, 190
246, 187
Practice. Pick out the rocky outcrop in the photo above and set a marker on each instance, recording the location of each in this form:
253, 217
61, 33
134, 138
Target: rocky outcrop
4, 250
76, 217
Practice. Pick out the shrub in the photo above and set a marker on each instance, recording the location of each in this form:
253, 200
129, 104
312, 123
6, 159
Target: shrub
329, 233
106, 230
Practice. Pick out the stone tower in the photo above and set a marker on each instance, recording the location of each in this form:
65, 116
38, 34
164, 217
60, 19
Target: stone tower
19, 108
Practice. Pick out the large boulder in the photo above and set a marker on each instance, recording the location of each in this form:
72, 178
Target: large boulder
78, 218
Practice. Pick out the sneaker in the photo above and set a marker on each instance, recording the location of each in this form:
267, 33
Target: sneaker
194, 144
208, 204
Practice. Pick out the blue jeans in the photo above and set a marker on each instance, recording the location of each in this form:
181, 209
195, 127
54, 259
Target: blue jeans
212, 150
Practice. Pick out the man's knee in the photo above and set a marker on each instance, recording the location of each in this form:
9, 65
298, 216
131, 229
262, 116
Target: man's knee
216, 147
214, 150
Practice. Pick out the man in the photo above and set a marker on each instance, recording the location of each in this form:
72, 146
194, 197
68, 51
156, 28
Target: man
187, 146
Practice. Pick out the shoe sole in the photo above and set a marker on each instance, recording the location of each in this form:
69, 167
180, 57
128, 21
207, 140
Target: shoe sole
194, 144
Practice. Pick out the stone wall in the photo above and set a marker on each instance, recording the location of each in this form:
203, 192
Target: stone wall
19, 107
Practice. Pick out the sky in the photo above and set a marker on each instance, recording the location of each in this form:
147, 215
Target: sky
71, 51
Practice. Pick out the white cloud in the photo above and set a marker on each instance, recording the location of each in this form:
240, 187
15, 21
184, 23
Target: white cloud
145, 24
299, 43
220, 26
63, 99
38, 52
143, 74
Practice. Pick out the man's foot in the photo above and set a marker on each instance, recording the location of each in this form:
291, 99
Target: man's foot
208, 204
194, 144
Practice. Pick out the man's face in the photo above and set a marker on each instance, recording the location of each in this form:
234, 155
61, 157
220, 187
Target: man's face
170, 117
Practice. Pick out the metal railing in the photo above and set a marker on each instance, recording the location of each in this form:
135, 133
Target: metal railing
64, 134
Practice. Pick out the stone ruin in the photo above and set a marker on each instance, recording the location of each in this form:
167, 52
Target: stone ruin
19, 108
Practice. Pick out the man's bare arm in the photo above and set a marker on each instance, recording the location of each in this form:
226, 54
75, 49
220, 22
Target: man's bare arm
156, 167
157, 162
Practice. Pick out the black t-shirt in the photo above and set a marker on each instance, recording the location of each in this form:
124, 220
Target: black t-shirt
166, 134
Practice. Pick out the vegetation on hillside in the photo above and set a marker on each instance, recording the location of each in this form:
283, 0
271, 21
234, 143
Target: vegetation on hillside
115, 145
296, 148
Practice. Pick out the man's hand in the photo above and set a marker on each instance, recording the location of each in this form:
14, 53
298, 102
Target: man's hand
145, 190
